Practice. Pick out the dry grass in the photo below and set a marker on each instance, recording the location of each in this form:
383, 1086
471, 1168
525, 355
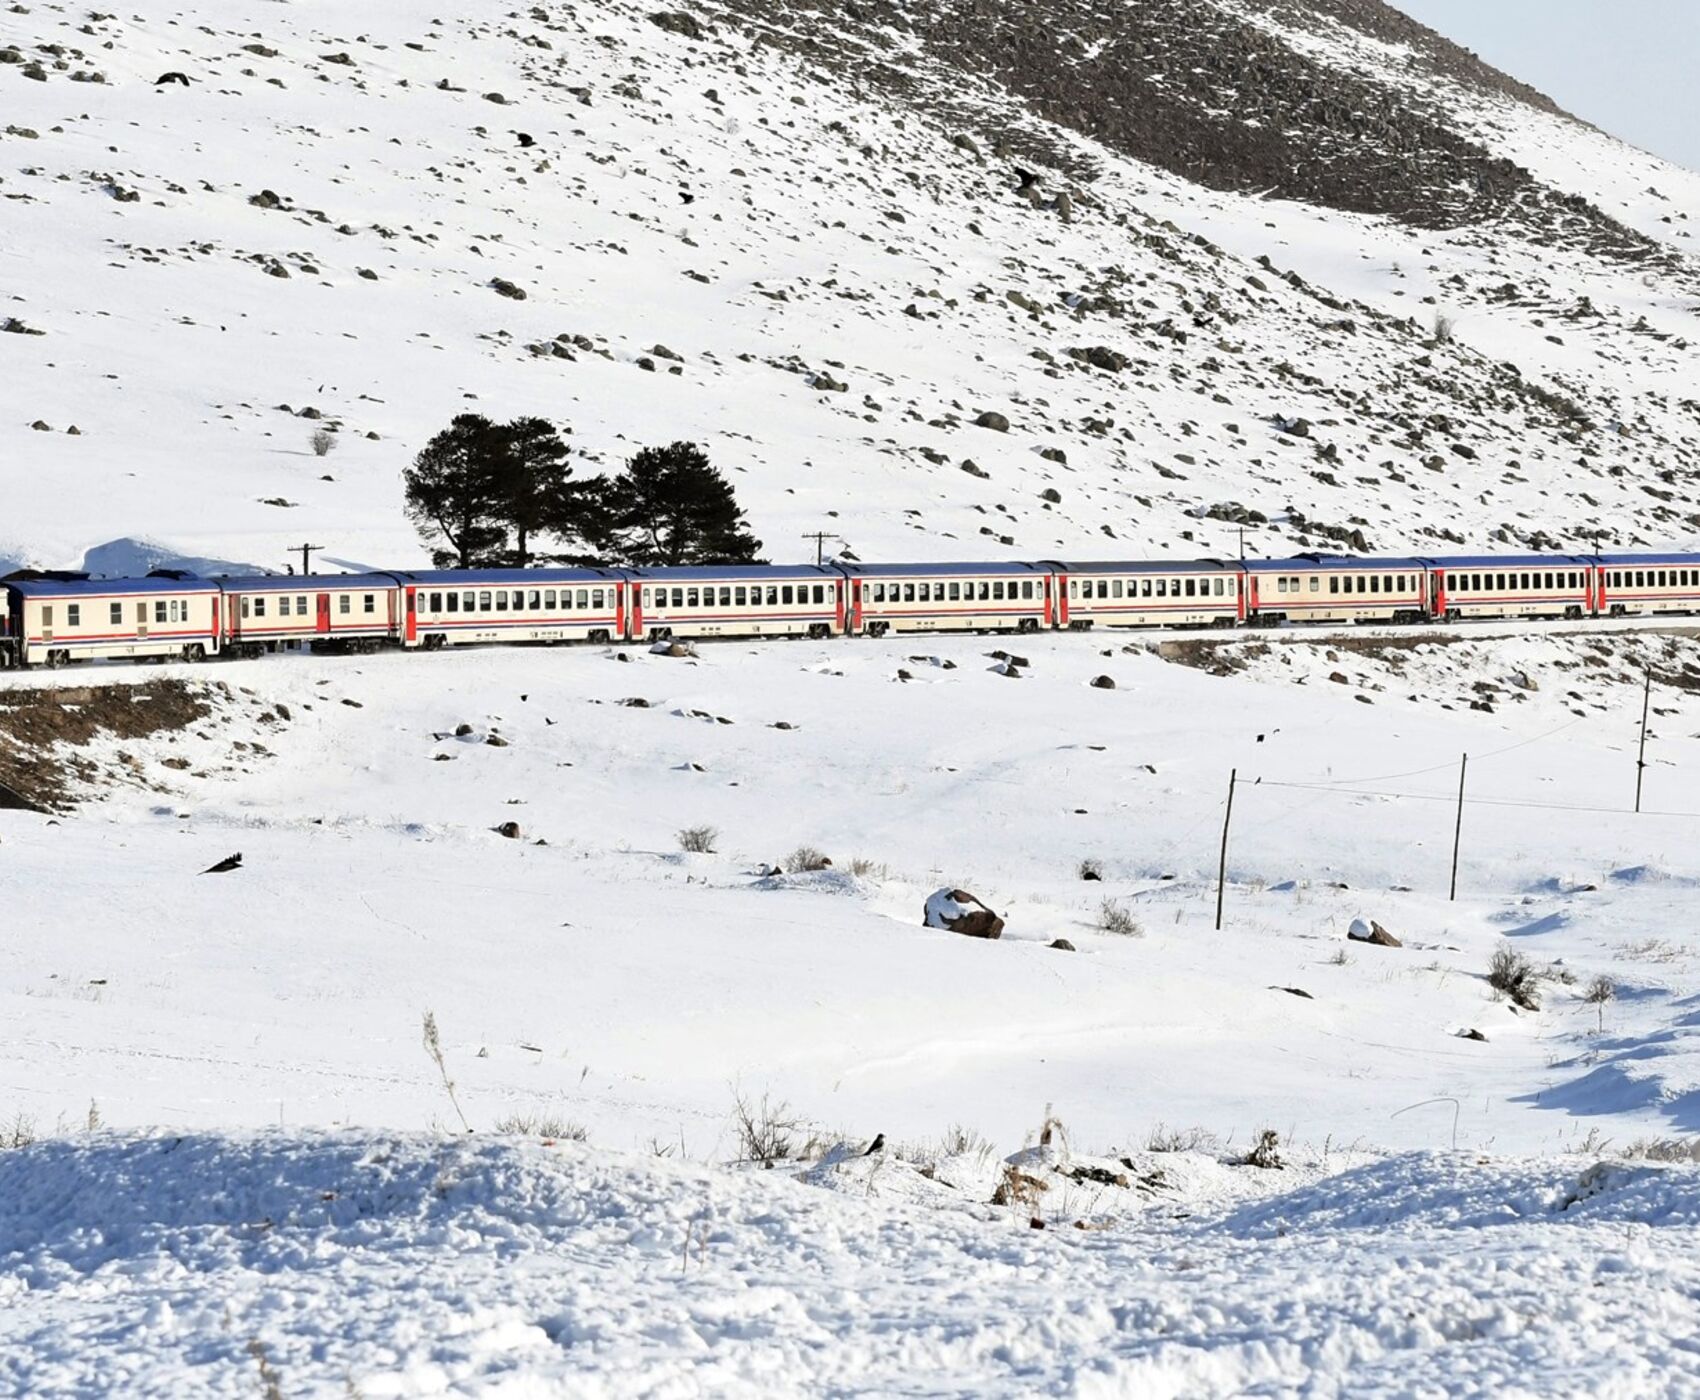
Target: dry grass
1163, 1138
1115, 917
323, 442
20, 1132
805, 859
542, 1125
1664, 1150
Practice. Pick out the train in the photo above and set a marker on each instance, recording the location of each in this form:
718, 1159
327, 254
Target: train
56, 618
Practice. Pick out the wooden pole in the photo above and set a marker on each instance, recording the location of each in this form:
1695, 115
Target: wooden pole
1641, 757
1222, 869
1458, 829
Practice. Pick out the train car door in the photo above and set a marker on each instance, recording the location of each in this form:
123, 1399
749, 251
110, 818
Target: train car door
636, 633
323, 622
1439, 584
841, 613
412, 605
1062, 600
1240, 597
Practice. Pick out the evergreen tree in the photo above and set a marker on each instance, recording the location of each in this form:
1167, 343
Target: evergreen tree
541, 497
455, 492
670, 506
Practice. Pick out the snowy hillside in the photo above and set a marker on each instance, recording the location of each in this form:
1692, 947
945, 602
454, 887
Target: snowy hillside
799, 238
563, 1021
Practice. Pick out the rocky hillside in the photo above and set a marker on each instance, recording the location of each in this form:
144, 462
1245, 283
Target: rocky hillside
946, 278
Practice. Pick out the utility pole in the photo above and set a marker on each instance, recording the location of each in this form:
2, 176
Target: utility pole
1641, 757
820, 537
1458, 829
1222, 869
307, 551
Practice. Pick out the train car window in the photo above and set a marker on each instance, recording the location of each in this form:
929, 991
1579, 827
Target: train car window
691, 598
998, 594
116, 614
434, 603
174, 616
1073, 588
141, 614
1640, 579
1315, 583
1233, 587
1280, 585
1221, 587
956, 593
1145, 588
924, 593
787, 596
47, 614
740, 597
371, 603
879, 593
725, 597
1027, 588
581, 597
73, 614
908, 593
820, 593
483, 600
283, 606
1375, 583
244, 608
159, 612
259, 608
1162, 588
301, 605
1115, 588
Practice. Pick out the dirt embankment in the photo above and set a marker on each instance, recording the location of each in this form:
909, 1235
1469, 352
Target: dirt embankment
41, 731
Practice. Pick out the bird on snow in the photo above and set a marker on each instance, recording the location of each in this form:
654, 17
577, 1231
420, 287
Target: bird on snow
877, 1145
526, 140
228, 863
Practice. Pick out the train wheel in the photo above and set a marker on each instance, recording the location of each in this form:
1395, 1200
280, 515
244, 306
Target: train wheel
194, 653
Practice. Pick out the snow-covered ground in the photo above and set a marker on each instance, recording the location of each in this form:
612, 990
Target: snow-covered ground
251, 1177
591, 975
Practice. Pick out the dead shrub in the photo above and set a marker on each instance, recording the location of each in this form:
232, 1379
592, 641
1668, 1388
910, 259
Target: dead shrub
766, 1131
698, 840
1090, 868
1163, 1138
323, 442
805, 859
1513, 976
1115, 917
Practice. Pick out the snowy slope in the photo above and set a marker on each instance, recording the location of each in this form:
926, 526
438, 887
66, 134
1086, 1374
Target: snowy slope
835, 228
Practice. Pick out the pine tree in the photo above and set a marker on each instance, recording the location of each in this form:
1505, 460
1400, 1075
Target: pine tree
540, 494
671, 507
455, 491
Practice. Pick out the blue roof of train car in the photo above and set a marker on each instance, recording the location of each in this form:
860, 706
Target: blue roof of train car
1505, 561
107, 587
1148, 566
303, 583
1313, 562
936, 570
1630, 561
476, 578
713, 573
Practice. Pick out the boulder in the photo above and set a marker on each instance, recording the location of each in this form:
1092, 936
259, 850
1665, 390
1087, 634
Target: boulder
1062, 943
1372, 932
957, 911
1104, 683
993, 420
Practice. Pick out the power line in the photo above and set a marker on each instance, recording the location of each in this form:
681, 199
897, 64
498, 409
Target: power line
1328, 789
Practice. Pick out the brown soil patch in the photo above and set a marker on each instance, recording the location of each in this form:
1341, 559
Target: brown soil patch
41, 729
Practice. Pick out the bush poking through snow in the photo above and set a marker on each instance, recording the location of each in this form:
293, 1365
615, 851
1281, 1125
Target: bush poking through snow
323, 442
542, 1125
1115, 917
1601, 990
863, 868
805, 859
1664, 1150
1163, 1138
20, 1132
1513, 976
698, 840
1444, 328
766, 1131
1265, 1153
434, 1048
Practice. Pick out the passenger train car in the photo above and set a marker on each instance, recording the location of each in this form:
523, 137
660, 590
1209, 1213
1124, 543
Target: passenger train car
50, 619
